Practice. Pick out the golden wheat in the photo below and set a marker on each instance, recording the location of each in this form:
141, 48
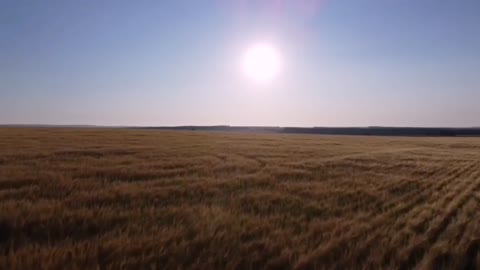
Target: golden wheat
146, 199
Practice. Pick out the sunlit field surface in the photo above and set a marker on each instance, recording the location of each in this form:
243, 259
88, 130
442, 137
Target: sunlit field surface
146, 199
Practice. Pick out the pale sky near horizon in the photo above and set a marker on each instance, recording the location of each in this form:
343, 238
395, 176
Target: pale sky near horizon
344, 62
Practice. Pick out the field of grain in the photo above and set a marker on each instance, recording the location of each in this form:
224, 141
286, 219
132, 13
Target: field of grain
145, 199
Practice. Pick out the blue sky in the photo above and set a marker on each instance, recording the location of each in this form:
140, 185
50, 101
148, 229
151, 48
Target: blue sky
346, 62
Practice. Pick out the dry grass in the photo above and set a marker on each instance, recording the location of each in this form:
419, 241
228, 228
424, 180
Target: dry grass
128, 199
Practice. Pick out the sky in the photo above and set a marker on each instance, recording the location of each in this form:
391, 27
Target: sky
179, 62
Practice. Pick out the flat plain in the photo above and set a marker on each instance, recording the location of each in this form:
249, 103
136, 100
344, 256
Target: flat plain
146, 199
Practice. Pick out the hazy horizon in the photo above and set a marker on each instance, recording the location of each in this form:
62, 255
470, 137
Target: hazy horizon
172, 63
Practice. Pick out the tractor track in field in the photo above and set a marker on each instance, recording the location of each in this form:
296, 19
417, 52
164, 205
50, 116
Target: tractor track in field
418, 250
399, 225
396, 210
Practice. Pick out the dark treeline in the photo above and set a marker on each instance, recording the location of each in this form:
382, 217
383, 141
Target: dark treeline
373, 131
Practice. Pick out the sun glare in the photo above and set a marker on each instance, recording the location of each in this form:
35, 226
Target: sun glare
262, 63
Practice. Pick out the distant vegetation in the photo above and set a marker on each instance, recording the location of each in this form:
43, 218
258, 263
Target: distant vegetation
149, 199
375, 131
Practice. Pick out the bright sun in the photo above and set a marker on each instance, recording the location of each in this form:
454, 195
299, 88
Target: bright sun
262, 63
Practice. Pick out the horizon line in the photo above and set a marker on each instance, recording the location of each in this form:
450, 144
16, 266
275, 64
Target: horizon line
226, 126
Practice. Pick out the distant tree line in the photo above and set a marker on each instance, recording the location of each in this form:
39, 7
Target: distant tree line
368, 131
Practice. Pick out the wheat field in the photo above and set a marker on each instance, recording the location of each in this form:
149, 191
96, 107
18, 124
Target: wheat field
146, 199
